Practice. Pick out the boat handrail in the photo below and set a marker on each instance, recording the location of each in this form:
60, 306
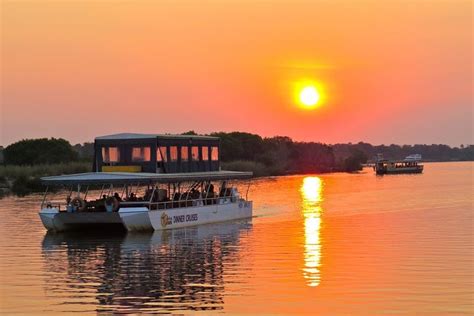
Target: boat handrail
51, 205
182, 203
232, 199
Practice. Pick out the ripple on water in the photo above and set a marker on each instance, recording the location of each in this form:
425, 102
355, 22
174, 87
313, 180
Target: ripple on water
344, 244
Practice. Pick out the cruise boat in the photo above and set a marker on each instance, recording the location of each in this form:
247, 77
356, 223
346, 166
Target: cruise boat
411, 164
149, 182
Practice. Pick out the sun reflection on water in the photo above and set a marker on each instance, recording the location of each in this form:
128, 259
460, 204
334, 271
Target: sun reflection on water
311, 191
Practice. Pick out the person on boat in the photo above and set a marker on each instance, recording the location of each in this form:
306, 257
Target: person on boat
147, 195
117, 196
194, 194
132, 197
176, 198
223, 190
211, 195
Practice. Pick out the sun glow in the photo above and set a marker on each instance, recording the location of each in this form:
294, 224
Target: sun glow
308, 94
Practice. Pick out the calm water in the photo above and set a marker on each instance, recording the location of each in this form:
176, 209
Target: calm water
330, 244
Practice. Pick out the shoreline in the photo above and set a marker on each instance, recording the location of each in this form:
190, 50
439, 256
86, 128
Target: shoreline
21, 181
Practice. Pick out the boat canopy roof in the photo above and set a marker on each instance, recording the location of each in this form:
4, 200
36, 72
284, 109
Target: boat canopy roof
135, 136
398, 161
142, 178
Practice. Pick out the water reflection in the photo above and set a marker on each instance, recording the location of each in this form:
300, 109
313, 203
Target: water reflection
311, 192
166, 271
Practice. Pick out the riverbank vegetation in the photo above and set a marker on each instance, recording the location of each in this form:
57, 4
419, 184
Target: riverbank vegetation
24, 162
25, 179
39, 151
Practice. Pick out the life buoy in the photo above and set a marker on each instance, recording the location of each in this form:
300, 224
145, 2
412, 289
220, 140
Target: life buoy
164, 219
78, 204
112, 201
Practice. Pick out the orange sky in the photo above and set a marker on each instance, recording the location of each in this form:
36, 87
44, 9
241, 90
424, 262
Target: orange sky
393, 72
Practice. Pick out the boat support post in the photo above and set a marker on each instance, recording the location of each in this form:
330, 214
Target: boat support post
44, 197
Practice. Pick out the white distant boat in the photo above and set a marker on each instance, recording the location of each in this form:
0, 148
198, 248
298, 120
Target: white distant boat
414, 157
148, 200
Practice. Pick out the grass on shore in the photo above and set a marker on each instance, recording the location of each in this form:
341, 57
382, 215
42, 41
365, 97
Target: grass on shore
259, 169
13, 172
22, 180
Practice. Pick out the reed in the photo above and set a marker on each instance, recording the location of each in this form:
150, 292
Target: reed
13, 171
259, 169
22, 180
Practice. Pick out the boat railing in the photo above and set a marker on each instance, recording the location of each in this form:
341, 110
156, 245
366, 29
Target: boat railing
168, 204
182, 203
55, 205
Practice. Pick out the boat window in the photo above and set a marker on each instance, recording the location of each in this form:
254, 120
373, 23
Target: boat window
110, 154
205, 153
161, 154
214, 153
195, 153
141, 154
184, 153
174, 153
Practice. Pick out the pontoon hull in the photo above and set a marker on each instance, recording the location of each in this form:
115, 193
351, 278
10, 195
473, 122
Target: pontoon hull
136, 219
64, 221
399, 171
143, 219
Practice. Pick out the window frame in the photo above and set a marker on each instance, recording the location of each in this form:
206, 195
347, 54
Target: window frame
215, 151
192, 153
163, 155
205, 153
173, 158
105, 151
145, 153
184, 149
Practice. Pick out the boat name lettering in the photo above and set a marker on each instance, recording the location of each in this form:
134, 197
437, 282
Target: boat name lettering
185, 218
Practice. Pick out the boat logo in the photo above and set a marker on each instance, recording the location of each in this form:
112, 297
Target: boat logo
164, 219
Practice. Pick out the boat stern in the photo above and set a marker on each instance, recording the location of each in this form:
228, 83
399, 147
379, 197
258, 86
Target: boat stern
47, 216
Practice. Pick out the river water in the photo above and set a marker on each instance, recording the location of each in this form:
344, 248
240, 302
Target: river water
330, 244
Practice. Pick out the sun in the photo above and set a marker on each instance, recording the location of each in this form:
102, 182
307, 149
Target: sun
309, 96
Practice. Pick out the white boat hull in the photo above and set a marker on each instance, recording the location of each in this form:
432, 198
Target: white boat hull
136, 219
143, 219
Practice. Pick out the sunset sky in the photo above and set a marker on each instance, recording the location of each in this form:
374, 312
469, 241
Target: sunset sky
390, 71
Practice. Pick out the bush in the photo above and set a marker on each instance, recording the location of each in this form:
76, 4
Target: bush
39, 151
22, 180
26, 185
354, 161
14, 172
258, 168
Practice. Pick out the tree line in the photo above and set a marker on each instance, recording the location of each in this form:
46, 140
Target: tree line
245, 151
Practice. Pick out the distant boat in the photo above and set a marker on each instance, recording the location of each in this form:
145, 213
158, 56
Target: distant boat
408, 165
414, 157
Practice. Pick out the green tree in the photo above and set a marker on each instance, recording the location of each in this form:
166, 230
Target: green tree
239, 146
189, 133
355, 160
39, 151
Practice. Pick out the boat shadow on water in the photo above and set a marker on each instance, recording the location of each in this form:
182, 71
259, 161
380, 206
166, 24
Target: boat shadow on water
161, 271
